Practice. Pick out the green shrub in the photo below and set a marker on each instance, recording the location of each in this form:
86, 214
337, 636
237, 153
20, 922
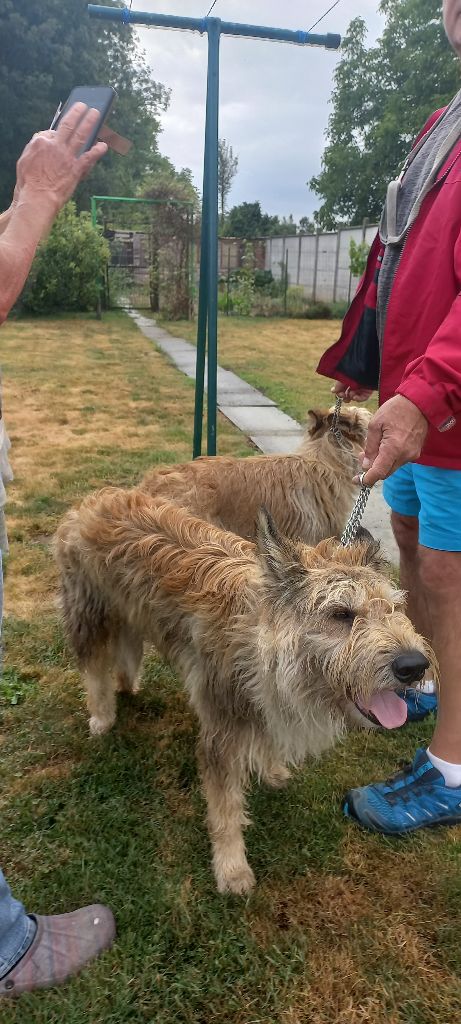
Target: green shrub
263, 279
225, 304
358, 255
339, 309
243, 286
69, 266
318, 311
296, 300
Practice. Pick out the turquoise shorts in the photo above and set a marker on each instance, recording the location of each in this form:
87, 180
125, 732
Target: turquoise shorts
433, 496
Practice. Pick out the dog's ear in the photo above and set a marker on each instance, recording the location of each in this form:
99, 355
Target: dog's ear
268, 537
279, 553
316, 420
363, 534
370, 550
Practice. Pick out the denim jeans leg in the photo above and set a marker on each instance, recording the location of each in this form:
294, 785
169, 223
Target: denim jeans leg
16, 928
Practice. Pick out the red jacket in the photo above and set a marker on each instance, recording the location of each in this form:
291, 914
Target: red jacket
421, 350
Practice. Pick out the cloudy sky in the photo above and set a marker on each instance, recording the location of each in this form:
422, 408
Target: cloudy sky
274, 100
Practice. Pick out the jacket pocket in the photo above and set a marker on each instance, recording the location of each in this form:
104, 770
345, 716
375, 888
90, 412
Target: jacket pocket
362, 360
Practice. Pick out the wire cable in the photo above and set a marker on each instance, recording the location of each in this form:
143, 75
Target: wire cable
323, 16
211, 8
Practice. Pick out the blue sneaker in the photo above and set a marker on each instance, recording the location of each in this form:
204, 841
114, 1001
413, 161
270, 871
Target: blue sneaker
415, 797
419, 704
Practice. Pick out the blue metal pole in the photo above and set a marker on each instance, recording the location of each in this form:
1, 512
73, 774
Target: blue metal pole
202, 315
284, 35
211, 165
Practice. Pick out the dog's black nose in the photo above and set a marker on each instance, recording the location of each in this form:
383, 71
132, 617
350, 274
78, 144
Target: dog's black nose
410, 667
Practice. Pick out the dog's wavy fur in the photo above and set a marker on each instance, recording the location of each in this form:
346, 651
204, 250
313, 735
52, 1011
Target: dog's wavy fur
273, 643
309, 493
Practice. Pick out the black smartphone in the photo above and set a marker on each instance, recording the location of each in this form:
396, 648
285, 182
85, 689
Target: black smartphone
101, 97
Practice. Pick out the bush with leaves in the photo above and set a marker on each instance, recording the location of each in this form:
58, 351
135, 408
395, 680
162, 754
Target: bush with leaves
69, 266
358, 255
243, 285
318, 310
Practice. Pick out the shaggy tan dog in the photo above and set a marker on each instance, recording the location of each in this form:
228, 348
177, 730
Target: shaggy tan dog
280, 647
309, 493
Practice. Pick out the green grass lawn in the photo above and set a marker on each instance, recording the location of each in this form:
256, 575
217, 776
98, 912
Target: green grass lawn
343, 928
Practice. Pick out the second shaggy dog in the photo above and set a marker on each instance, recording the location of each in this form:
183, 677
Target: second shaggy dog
309, 493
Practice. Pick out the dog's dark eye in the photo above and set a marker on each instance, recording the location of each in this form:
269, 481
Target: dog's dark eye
344, 615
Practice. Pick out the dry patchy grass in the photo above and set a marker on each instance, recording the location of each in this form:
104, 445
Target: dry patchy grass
86, 404
344, 927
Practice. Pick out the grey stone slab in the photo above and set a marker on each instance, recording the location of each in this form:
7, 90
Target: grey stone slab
284, 443
184, 361
263, 420
240, 398
188, 371
228, 381
176, 347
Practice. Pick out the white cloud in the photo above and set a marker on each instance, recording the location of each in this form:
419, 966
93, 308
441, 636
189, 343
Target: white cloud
274, 100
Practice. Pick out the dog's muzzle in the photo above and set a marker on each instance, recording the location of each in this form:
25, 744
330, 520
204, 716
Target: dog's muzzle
409, 668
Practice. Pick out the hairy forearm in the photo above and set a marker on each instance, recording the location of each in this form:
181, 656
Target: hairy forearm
28, 222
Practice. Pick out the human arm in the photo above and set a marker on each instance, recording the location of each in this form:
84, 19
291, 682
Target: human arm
48, 172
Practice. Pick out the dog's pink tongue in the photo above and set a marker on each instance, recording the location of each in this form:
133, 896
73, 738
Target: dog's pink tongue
388, 708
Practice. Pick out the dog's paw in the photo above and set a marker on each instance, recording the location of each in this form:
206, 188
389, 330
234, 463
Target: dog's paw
277, 776
239, 879
99, 726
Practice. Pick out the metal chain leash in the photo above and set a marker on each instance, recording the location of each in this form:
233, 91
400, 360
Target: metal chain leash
355, 518
334, 429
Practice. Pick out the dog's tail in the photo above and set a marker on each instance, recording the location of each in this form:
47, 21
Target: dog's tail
84, 608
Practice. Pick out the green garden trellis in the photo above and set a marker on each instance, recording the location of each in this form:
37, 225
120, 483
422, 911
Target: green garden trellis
207, 318
185, 204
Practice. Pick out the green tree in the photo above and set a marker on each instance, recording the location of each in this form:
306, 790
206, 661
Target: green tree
49, 47
248, 221
68, 268
382, 96
227, 169
286, 226
165, 182
358, 254
306, 226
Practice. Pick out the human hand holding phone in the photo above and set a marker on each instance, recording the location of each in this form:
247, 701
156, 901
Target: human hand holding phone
55, 161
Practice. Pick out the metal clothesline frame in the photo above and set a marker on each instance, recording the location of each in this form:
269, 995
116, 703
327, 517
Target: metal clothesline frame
207, 317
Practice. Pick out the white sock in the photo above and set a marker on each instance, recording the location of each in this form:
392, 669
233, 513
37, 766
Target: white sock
450, 772
427, 686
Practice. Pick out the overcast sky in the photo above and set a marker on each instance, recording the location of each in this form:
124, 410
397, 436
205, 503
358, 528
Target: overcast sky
274, 100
